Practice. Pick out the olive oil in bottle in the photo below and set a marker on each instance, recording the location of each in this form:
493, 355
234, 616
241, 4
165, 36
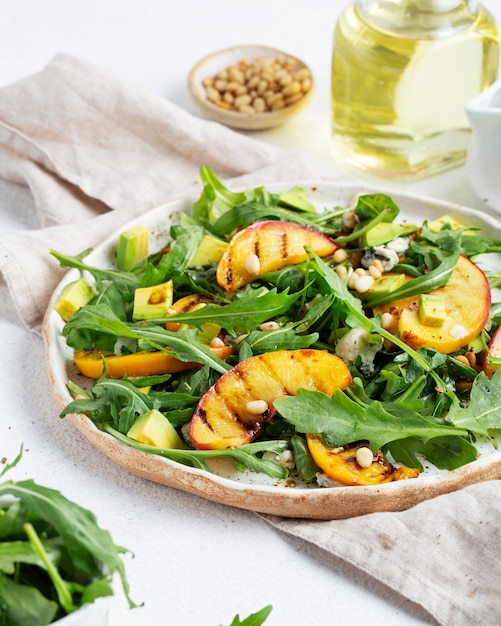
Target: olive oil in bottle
402, 71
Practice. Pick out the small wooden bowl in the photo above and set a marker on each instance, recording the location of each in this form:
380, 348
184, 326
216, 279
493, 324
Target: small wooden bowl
210, 65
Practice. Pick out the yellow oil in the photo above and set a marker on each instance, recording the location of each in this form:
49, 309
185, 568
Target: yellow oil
398, 97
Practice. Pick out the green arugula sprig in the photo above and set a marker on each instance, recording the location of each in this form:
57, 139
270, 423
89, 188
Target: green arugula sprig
40, 528
245, 456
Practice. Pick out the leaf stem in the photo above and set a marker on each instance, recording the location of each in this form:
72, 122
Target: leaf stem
62, 589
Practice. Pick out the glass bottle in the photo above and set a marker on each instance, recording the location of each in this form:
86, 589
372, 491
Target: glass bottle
402, 71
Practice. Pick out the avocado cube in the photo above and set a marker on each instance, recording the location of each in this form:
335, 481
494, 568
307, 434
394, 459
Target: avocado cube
210, 250
73, 296
383, 232
432, 309
132, 247
154, 429
436, 225
297, 199
383, 285
152, 303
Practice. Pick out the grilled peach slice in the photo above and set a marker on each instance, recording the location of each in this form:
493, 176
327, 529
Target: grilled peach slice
235, 409
467, 300
139, 364
346, 465
184, 305
266, 247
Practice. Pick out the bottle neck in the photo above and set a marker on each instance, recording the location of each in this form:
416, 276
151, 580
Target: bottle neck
433, 18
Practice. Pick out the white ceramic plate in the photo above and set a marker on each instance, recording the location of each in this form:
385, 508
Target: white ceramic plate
249, 490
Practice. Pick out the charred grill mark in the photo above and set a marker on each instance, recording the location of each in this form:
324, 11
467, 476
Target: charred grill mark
284, 245
256, 247
202, 414
251, 426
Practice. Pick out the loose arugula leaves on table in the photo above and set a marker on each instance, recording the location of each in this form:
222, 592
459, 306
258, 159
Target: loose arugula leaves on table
40, 529
256, 619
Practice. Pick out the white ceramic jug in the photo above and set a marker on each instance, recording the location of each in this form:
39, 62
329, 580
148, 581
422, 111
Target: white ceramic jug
483, 164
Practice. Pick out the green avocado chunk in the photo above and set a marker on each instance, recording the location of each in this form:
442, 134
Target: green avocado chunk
384, 232
73, 296
432, 309
154, 429
132, 247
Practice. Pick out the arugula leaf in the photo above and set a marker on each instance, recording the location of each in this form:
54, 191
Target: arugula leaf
182, 344
343, 421
215, 198
174, 262
121, 402
256, 619
243, 215
371, 209
483, 413
283, 338
447, 453
425, 283
41, 529
241, 314
245, 456
123, 280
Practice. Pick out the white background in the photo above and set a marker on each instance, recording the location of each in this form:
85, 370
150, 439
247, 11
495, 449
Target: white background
196, 563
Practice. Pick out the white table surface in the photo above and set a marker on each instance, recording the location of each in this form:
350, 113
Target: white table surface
196, 562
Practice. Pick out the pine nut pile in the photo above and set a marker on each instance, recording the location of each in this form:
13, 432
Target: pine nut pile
260, 86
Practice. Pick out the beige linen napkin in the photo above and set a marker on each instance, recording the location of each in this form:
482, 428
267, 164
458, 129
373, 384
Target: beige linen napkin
85, 143
86, 152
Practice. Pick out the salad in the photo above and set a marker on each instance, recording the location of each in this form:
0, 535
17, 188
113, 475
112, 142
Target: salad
343, 346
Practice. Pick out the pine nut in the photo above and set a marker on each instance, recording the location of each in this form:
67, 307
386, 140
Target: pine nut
462, 359
213, 94
248, 109
257, 407
292, 88
341, 271
352, 280
259, 105
374, 271
288, 100
363, 283
217, 342
387, 321
241, 100
269, 326
340, 255
302, 74
364, 457
349, 219
252, 264
472, 359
